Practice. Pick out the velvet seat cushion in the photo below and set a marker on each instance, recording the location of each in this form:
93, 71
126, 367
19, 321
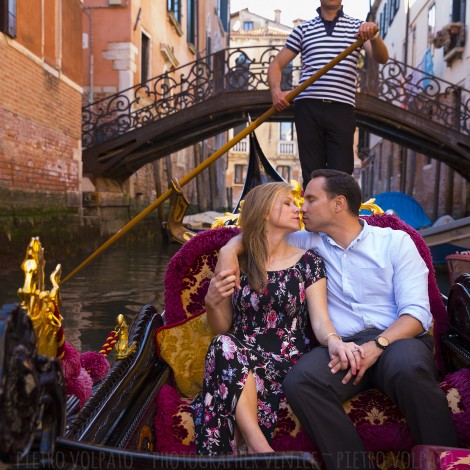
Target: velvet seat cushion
378, 421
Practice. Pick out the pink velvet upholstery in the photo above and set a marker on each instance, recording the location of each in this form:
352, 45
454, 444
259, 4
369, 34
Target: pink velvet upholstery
377, 420
440, 458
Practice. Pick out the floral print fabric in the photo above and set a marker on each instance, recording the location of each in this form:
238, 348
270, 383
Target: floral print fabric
267, 338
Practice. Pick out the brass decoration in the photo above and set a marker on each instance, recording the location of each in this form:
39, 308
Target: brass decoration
179, 203
122, 346
298, 195
41, 305
371, 206
145, 440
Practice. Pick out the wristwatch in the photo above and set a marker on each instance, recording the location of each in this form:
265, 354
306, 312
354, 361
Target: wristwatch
382, 342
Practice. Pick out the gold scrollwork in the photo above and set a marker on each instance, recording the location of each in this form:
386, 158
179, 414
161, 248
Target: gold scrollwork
145, 439
122, 346
41, 305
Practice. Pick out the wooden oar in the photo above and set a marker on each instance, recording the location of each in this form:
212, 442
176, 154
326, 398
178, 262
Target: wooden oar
216, 155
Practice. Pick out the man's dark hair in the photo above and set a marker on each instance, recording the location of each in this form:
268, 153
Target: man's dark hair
339, 183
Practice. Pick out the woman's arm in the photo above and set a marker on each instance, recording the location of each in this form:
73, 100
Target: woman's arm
218, 302
228, 258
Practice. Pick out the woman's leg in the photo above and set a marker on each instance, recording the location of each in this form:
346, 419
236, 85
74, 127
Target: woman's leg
246, 418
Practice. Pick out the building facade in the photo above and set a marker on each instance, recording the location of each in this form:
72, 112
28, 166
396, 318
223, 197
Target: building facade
429, 36
278, 140
40, 106
127, 43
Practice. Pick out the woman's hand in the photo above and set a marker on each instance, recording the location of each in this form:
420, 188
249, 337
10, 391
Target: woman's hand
220, 287
345, 356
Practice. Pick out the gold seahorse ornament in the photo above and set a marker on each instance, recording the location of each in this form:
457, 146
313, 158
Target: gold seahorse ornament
122, 346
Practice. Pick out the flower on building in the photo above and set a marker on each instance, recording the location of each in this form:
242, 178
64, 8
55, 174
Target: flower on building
442, 38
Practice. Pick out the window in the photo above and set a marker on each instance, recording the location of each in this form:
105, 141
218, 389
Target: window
397, 5
431, 24
240, 174
248, 26
243, 145
386, 15
8, 17
174, 6
284, 171
145, 58
191, 22
458, 10
223, 13
286, 131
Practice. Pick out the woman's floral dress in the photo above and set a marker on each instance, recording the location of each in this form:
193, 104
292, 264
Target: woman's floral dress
268, 337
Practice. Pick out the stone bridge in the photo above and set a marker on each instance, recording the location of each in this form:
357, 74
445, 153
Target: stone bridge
125, 131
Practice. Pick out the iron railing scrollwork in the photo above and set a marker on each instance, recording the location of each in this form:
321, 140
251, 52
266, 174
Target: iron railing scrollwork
421, 93
232, 70
245, 69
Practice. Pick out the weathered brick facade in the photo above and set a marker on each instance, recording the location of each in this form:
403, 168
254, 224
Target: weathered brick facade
40, 111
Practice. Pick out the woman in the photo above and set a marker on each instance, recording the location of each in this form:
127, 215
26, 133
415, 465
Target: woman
281, 286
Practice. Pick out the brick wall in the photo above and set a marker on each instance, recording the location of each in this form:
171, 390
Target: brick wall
40, 127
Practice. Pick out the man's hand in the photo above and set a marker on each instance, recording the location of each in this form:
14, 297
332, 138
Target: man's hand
279, 99
367, 30
369, 356
344, 356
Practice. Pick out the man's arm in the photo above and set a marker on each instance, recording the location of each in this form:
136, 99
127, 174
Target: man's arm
284, 57
374, 44
410, 284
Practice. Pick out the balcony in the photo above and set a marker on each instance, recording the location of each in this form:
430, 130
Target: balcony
241, 147
452, 39
287, 147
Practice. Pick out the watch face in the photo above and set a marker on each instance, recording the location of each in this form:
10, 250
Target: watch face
382, 341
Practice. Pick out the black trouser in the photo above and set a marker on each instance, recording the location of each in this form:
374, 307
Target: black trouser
405, 372
325, 134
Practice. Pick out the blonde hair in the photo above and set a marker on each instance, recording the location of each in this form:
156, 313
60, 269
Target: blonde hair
253, 220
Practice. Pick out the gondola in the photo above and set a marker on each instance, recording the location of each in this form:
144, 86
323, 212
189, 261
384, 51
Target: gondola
137, 416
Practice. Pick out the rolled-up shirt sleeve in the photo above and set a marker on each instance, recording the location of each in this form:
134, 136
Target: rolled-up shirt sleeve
411, 282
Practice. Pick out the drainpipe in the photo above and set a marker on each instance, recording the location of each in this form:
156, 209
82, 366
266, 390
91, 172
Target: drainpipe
405, 58
90, 58
437, 178
90, 41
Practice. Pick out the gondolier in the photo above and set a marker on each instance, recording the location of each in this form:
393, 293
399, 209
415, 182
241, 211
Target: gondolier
324, 112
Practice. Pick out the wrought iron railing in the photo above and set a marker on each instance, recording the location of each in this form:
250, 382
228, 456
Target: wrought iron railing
228, 70
419, 92
245, 69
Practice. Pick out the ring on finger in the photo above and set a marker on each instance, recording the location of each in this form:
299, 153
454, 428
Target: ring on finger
354, 350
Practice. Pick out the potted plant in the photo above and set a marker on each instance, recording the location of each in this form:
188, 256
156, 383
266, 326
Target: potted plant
441, 38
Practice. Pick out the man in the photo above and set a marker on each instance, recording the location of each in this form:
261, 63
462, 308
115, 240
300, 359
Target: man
324, 112
377, 298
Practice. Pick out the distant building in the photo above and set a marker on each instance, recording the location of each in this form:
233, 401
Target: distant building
429, 36
40, 106
130, 42
278, 140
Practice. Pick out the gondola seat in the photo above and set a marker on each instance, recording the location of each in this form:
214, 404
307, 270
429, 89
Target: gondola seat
184, 339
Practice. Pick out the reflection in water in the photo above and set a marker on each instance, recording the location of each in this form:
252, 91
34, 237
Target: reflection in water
120, 280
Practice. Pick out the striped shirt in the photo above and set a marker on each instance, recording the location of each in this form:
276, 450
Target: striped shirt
318, 47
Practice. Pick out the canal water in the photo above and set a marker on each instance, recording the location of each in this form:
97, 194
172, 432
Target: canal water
120, 280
